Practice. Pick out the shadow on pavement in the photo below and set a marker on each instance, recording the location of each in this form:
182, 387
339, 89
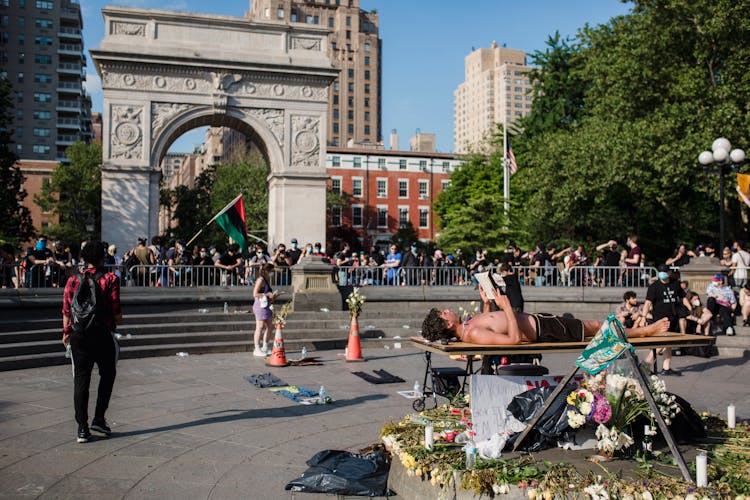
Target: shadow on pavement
237, 414
715, 363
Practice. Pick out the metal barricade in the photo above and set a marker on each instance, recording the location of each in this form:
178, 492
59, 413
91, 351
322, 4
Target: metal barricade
406, 276
578, 276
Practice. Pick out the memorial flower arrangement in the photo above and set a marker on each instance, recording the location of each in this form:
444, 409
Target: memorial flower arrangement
355, 301
614, 401
279, 317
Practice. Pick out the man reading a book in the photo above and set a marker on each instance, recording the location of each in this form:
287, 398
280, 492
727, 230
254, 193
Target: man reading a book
506, 327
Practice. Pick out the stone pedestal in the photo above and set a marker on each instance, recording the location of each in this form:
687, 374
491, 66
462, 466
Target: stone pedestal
313, 287
698, 273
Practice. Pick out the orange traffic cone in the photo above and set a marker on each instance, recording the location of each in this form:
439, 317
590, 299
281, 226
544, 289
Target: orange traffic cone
353, 349
278, 356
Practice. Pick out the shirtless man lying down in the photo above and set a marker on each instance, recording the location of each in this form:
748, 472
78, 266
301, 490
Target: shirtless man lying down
506, 327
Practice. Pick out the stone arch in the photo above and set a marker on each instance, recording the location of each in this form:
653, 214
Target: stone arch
235, 118
166, 72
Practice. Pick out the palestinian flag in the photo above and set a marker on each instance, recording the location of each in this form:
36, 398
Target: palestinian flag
232, 221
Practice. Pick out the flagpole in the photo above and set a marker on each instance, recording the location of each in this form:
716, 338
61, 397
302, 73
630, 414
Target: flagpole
506, 173
187, 245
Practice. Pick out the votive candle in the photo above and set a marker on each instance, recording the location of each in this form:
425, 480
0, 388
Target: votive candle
701, 470
731, 417
429, 437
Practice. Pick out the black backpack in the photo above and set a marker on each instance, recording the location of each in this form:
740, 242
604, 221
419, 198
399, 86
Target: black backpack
86, 307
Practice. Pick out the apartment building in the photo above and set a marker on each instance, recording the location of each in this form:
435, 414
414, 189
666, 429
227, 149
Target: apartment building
41, 53
387, 188
495, 89
354, 46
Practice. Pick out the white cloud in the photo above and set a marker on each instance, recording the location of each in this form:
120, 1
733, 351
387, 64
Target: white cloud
92, 84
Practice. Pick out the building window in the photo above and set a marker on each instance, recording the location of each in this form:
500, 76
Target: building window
367, 46
367, 88
348, 20
42, 97
367, 74
445, 184
336, 185
350, 128
20, 77
335, 128
336, 86
351, 102
335, 99
350, 73
367, 102
336, 113
330, 22
334, 46
348, 35
21, 57
424, 218
336, 161
403, 216
382, 216
43, 4
367, 130
424, 190
42, 59
40, 148
41, 132
19, 96
44, 41
357, 187
382, 188
367, 60
350, 87
19, 115
350, 114
357, 215
403, 188
336, 215
357, 162
381, 163
423, 164
280, 13
402, 164
42, 115
19, 132
42, 78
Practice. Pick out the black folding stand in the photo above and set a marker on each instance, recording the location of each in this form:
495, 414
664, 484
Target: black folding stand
646, 392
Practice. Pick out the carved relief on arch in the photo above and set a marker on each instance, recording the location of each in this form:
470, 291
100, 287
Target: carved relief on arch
126, 139
305, 43
273, 118
305, 141
162, 112
130, 29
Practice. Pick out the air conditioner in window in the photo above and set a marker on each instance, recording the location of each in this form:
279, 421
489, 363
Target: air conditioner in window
423, 196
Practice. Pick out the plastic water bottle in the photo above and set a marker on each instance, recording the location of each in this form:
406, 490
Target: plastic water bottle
68, 352
471, 454
417, 388
226, 308
303, 354
322, 395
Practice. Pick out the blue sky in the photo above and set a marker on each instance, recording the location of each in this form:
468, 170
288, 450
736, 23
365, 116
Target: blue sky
424, 46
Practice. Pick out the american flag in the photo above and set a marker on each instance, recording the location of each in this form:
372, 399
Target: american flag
510, 160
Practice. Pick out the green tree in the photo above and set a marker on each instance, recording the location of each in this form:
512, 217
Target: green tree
17, 225
74, 194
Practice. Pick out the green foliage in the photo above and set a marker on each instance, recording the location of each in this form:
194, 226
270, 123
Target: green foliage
16, 226
611, 145
405, 236
74, 194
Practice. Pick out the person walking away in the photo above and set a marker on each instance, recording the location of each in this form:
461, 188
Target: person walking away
740, 263
662, 298
262, 299
91, 338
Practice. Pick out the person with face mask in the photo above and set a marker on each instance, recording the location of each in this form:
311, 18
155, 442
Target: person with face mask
699, 318
294, 252
662, 300
38, 259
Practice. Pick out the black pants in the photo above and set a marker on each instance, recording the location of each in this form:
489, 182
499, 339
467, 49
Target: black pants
725, 313
102, 351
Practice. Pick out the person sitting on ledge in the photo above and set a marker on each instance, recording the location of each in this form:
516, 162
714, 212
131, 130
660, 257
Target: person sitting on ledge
506, 327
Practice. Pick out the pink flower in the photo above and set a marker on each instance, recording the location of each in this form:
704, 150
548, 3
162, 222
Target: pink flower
602, 410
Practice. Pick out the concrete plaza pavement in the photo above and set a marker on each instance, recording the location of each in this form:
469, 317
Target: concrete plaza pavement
194, 428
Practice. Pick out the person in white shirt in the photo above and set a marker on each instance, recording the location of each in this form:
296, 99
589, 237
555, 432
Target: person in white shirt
740, 263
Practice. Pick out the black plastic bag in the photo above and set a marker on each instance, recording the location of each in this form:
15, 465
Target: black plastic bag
553, 426
345, 473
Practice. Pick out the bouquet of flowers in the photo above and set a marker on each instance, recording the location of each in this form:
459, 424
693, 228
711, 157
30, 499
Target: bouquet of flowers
279, 317
614, 401
355, 301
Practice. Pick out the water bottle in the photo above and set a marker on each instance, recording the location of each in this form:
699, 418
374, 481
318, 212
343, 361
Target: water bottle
322, 395
417, 388
303, 354
471, 454
68, 353
226, 308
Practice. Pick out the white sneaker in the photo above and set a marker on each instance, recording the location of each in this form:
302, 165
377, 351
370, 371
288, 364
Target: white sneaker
258, 353
264, 347
730, 331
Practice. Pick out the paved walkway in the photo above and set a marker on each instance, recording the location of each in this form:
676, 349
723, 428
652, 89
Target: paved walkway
193, 428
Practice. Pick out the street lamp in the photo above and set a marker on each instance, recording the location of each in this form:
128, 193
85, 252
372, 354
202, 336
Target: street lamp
724, 159
89, 225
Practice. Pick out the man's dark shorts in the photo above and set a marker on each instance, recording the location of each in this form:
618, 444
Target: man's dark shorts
551, 328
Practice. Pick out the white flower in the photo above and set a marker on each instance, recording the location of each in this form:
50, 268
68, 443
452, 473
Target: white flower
597, 492
575, 419
615, 384
585, 408
646, 495
500, 489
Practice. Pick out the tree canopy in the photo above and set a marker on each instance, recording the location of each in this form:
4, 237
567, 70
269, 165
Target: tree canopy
620, 115
16, 226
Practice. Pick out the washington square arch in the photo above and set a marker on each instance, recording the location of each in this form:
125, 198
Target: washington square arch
164, 73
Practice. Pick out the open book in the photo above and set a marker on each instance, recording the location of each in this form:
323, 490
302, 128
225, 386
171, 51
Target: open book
491, 284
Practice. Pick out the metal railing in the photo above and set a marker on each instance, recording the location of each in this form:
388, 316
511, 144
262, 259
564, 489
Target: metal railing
16, 275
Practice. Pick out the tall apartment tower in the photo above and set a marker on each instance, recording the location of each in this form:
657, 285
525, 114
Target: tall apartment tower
41, 52
495, 90
354, 46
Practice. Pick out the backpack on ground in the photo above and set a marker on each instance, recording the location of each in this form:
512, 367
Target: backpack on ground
86, 307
